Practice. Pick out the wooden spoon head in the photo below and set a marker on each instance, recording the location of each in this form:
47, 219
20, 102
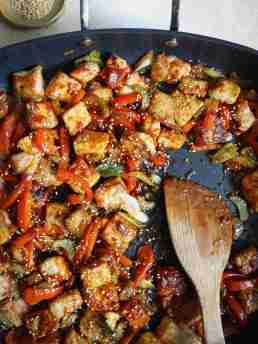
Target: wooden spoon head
201, 229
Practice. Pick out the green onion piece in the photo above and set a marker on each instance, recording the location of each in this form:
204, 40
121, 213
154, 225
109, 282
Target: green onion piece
67, 245
213, 73
142, 177
130, 219
94, 57
109, 169
241, 207
144, 94
144, 63
228, 152
146, 284
247, 157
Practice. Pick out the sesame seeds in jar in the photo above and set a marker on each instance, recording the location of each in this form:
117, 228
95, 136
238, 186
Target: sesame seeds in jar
32, 13
32, 9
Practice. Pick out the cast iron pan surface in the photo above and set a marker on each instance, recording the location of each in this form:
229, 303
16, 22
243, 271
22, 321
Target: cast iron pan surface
58, 52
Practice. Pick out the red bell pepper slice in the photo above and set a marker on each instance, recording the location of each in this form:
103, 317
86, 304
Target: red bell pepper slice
7, 128
126, 99
24, 205
34, 295
88, 242
15, 194
146, 257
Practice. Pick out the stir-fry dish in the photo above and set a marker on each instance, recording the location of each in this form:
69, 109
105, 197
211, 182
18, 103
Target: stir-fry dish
82, 157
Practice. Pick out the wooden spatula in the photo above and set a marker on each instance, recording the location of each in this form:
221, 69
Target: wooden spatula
201, 230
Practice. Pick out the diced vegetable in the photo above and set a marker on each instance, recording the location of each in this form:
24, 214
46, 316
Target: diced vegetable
228, 152
145, 62
213, 73
226, 91
241, 206
109, 169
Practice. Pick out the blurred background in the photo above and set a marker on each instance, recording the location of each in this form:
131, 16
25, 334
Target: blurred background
232, 20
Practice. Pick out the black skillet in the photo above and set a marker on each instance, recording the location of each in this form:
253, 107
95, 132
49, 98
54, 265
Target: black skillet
52, 53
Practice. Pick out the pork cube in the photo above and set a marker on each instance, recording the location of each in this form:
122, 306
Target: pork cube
226, 91
101, 92
134, 82
177, 70
5, 287
25, 163
148, 338
45, 174
135, 314
77, 221
112, 195
96, 277
73, 337
91, 177
85, 72
249, 189
249, 300
7, 229
76, 118
41, 323
12, 313
138, 146
56, 214
169, 332
243, 117
91, 327
62, 88
151, 126
103, 299
41, 115
29, 84
176, 109
194, 87
119, 233
169, 69
55, 267
93, 144
26, 145
246, 261
66, 305
172, 139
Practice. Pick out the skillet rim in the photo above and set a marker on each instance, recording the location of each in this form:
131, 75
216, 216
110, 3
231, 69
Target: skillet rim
174, 34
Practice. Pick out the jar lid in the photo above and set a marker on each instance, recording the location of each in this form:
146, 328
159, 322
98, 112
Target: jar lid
12, 15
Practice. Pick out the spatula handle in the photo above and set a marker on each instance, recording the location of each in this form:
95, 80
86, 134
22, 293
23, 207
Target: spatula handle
212, 318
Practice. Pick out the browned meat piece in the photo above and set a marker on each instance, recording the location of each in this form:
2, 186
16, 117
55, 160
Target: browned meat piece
7, 229
41, 115
41, 323
73, 337
55, 268
169, 69
246, 261
169, 332
62, 88
135, 314
64, 307
191, 86
29, 84
249, 300
119, 233
250, 189
169, 283
91, 327
5, 287
103, 299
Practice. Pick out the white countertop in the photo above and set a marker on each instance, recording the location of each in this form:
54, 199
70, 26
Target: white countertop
233, 20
